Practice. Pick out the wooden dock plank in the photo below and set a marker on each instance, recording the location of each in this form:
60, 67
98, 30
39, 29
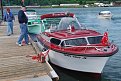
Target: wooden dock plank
14, 49
14, 63
44, 78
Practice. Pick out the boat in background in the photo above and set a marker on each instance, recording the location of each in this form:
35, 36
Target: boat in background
34, 22
72, 46
31, 14
105, 14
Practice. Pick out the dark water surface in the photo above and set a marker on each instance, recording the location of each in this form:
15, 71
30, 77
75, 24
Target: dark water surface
88, 18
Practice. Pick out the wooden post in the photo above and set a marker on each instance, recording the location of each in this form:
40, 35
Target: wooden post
1, 9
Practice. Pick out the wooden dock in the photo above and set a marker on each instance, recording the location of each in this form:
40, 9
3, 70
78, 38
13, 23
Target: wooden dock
14, 65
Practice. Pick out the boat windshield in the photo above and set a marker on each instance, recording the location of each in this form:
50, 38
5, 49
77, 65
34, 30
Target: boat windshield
75, 42
55, 41
66, 22
105, 13
51, 24
95, 40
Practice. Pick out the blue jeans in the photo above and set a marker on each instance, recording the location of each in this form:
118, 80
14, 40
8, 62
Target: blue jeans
23, 34
9, 28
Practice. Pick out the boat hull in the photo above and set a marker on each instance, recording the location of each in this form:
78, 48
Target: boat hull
35, 27
105, 16
78, 63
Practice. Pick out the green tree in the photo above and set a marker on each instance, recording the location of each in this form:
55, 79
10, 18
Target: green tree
50, 2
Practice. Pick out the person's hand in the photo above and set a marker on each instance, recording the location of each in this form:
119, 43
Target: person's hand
13, 20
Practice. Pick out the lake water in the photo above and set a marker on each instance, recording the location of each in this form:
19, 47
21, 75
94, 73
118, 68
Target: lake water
88, 18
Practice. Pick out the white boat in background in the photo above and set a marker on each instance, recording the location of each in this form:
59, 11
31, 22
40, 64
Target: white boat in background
31, 14
105, 14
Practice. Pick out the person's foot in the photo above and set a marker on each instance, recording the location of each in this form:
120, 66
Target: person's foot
18, 44
8, 35
29, 43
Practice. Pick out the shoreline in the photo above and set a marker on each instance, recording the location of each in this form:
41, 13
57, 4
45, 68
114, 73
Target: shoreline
80, 6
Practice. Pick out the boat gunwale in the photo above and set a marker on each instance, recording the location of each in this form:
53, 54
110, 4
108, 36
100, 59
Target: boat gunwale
86, 54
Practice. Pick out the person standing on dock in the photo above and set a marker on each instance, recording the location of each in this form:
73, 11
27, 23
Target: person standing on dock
9, 17
22, 19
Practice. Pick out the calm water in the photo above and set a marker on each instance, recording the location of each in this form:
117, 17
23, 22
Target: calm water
88, 18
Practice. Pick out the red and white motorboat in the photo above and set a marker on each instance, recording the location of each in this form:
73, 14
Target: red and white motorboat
73, 47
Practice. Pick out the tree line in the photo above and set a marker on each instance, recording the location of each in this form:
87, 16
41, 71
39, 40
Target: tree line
51, 2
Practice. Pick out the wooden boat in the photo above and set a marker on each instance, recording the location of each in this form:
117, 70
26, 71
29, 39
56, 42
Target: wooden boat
74, 47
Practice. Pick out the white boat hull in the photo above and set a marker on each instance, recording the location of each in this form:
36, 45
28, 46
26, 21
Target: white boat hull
105, 16
78, 63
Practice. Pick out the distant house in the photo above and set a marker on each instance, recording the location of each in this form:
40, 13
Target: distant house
69, 4
103, 5
55, 5
117, 3
99, 4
